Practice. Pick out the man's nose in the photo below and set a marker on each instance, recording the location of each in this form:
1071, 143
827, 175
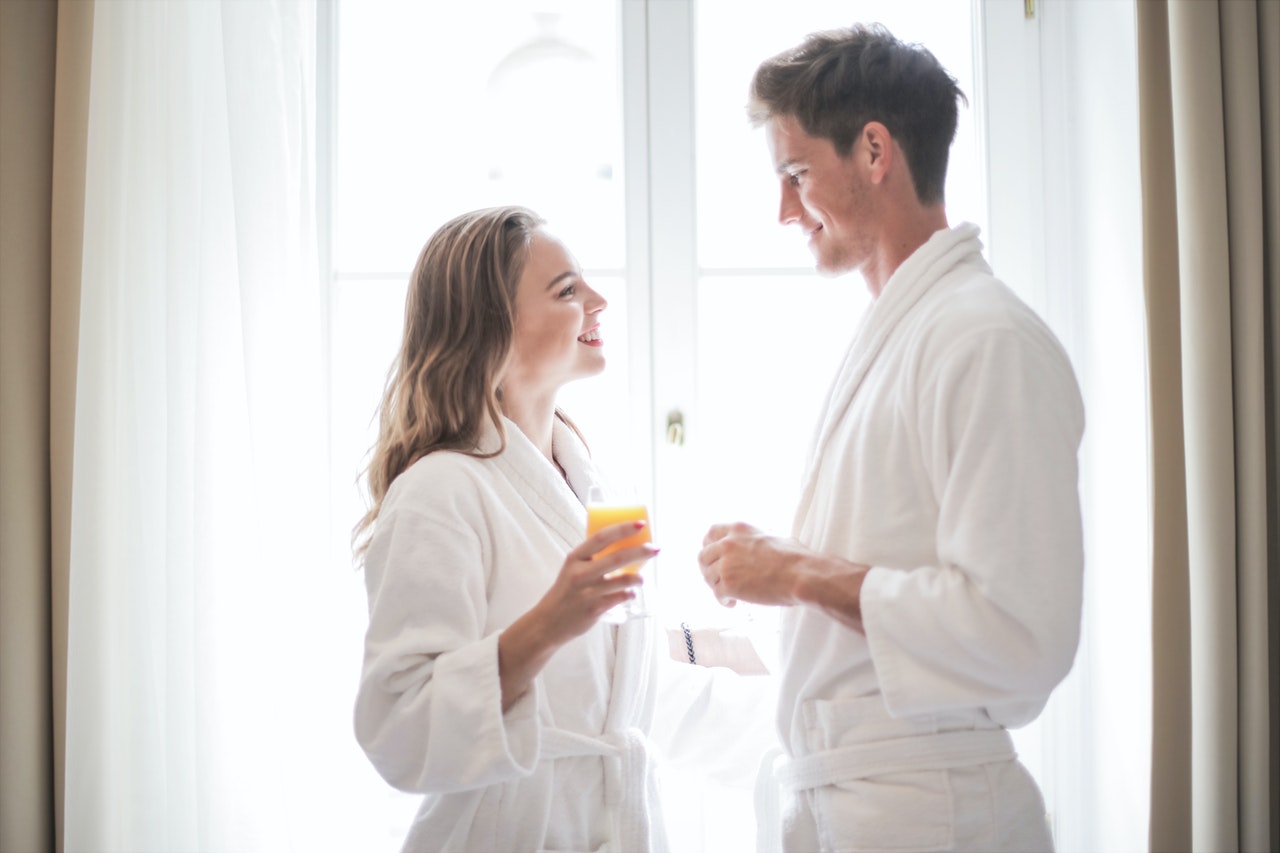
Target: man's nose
789, 206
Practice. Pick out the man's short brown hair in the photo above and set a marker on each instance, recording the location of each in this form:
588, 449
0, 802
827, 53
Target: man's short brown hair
836, 81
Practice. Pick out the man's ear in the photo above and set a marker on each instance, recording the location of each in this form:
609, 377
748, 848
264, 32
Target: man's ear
879, 150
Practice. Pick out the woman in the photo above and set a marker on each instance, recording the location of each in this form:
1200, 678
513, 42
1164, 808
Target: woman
489, 683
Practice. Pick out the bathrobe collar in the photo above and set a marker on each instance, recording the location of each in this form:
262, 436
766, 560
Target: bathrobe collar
629, 778
915, 277
560, 504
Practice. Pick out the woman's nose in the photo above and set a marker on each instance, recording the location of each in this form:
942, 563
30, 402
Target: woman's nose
594, 303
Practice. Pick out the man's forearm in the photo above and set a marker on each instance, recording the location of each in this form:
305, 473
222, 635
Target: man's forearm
832, 585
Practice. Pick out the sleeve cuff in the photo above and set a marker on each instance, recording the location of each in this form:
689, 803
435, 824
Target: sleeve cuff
511, 737
877, 587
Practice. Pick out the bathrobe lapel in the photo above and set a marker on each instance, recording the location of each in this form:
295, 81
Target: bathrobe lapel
632, 698
629, 771
552, 499
562, 506
902, 293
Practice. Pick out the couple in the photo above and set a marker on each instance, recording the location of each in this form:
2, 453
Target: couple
931, 588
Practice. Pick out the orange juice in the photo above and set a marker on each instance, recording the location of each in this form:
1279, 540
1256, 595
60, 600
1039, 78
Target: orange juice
602, 515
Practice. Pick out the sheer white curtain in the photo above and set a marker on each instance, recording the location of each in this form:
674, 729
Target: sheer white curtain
1067, 232
196, 592
1096, 731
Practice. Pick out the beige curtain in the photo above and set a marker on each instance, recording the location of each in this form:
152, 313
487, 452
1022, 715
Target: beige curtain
71, 120
44, 88
27, 33
1209, 78
26, 131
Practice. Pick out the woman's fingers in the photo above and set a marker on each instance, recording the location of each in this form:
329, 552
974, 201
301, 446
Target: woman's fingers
591, 582
604, 537
603, 564
624, 563
606, 582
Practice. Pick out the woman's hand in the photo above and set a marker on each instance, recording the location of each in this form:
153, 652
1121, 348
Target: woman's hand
587, 586
590, 583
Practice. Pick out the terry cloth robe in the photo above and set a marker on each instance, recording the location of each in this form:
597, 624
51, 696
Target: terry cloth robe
946, 460
462, 547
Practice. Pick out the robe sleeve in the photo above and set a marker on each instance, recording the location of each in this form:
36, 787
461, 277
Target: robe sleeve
995, 624
428, 712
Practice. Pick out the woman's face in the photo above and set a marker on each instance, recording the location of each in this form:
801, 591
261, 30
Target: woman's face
557, 328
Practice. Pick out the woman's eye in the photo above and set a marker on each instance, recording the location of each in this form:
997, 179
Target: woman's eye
568, 291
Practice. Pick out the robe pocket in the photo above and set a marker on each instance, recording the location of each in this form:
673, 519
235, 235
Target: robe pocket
512, 817
890, 812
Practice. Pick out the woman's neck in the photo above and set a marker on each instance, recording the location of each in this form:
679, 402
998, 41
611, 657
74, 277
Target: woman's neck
535, 414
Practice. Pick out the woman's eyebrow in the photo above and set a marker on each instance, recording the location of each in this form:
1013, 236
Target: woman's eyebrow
560, 278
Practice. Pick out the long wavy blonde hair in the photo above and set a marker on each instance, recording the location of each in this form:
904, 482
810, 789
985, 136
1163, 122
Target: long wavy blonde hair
459, 319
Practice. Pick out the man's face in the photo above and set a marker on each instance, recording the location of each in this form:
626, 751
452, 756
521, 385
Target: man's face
825, 194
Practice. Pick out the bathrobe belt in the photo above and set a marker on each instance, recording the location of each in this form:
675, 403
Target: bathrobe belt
941, 751
629, 781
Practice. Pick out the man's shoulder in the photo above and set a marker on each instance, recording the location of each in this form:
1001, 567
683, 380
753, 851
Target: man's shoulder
970, 297
973, 310
973, 302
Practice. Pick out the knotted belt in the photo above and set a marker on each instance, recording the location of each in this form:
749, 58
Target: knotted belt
630, 783
941, 751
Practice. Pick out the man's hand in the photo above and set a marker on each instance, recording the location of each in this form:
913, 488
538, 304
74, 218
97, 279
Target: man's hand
739, 561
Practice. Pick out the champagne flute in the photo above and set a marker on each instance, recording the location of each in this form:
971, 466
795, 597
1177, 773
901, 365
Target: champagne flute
600, 514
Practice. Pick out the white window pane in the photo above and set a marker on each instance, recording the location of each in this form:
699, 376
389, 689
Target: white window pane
445, 107
737, 190
768, 348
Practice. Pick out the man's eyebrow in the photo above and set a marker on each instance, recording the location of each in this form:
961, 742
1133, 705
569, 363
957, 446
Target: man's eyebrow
560, 278
786, 165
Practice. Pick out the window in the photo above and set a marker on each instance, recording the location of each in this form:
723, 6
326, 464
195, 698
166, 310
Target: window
623, 123
533, 113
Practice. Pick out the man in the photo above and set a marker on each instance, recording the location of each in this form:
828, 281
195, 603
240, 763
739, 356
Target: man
933, 582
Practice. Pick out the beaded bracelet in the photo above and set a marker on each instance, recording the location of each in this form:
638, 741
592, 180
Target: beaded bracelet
688, 641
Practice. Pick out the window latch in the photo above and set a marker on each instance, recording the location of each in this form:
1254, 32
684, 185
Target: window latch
675, 428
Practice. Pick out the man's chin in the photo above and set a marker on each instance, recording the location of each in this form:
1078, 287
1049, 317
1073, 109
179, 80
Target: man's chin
826, 269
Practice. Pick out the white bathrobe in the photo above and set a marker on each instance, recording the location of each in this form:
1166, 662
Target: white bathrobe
946, 459
462, 547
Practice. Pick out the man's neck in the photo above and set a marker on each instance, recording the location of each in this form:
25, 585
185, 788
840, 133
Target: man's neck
899, 240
